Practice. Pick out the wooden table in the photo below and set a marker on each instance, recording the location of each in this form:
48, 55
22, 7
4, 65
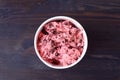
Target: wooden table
19, 20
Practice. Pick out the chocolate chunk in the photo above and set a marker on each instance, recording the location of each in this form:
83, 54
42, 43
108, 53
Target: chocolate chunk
54, 32
44, 31
56, 47
66, 40
70, 33
55, 62
70, 47
53, 43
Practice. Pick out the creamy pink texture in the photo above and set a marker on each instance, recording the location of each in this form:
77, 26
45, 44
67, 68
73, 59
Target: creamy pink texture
60, 43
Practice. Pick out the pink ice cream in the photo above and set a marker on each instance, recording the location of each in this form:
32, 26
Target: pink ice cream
60, 43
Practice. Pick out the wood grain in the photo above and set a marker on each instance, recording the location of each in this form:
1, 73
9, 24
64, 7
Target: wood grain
19, 21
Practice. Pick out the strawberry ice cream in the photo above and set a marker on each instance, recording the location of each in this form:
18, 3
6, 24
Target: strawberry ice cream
60, 43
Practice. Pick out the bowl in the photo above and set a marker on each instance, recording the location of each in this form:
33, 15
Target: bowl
60, 42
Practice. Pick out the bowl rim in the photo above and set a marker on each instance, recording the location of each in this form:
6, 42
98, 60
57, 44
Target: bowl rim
77, 24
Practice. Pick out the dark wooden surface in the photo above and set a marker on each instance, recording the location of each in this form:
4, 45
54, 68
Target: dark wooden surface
19, 20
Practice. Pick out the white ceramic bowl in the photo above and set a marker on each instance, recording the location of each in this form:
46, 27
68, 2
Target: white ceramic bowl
77, 24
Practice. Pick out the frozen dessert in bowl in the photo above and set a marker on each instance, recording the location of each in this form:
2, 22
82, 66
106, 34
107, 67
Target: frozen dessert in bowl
60, 42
